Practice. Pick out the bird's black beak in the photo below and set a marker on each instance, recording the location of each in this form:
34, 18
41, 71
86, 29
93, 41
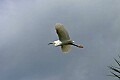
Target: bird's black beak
50, 43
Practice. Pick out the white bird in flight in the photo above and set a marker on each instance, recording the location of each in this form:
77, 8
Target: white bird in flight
64, 40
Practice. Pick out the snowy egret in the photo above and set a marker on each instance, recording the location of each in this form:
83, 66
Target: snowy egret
64, 40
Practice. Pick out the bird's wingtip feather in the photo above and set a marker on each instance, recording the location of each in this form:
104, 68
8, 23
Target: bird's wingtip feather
58, 25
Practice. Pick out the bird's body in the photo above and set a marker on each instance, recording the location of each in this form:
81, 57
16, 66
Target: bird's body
64, 39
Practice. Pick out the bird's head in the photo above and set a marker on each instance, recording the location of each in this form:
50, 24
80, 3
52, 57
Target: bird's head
56, 43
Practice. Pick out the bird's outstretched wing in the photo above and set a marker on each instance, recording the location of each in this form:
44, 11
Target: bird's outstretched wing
62, 32
66, 48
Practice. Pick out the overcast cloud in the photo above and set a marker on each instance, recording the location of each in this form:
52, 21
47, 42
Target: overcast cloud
27, 26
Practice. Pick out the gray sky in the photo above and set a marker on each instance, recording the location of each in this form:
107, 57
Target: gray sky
27, 26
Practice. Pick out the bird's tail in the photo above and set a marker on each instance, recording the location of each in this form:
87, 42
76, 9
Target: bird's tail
66, 48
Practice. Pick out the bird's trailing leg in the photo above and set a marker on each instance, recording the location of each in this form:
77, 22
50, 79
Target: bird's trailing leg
79, 46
